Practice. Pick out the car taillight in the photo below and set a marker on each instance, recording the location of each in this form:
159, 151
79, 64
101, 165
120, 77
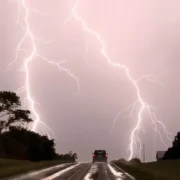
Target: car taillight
106, 155
93, 155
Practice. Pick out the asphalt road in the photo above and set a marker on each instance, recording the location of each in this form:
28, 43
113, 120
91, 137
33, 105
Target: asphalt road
79, 171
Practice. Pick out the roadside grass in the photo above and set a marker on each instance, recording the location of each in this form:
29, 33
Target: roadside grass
10, 167
162, 170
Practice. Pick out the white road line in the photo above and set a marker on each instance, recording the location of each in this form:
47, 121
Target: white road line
34, 173
115, 173
93, 170
60, 172
119, 175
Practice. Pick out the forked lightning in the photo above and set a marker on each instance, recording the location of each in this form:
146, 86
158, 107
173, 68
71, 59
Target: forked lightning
32, 55
144, 106
140, 104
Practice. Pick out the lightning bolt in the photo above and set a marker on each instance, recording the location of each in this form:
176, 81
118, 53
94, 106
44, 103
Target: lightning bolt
32, 55
143, 105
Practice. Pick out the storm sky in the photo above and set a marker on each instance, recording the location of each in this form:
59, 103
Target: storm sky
141, 34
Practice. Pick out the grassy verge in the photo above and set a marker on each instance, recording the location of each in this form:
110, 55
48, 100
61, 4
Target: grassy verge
164, 170
10, 168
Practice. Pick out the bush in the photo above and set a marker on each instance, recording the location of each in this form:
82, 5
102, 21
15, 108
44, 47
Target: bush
135, 161
122, 160
19, 143
16, 142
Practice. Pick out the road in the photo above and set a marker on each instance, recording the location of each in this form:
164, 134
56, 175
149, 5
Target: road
78, 171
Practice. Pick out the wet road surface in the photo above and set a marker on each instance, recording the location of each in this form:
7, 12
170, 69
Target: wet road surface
78, 171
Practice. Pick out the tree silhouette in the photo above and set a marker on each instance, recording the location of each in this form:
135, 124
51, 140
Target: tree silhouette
20, 143
174, 151
10, 112
70, 156
16, 142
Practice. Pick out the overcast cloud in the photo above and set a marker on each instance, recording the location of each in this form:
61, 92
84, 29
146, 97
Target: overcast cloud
142, 34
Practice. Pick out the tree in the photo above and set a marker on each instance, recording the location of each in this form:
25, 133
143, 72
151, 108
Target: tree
174, 151
20, 143
10, 112
67, 157
16, 142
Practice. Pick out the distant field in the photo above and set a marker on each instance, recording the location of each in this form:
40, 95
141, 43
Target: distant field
164, 170
13, 167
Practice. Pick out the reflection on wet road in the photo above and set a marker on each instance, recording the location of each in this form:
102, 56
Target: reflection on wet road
103, 171
79, 171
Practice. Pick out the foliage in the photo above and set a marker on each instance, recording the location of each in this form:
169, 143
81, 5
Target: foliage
16, 142
10, 112
135, 161
20, 143
174, 151
70, 156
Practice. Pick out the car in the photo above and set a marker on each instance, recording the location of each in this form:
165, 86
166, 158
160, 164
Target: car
99, 156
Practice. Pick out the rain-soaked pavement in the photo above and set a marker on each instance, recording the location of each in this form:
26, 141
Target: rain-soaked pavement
78, 171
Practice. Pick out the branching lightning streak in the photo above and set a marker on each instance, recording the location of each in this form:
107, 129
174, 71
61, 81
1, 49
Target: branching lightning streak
120, 113
149, 78
134, 137
28, 34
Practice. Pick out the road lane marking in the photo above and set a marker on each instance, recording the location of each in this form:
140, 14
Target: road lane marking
75, 173
93, 170
119, 175
60, 172
115, 173
34, 173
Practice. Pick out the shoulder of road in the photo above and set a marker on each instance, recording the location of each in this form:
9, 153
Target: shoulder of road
160, 170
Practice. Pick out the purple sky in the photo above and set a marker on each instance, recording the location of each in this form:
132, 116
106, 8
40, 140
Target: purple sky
142, 34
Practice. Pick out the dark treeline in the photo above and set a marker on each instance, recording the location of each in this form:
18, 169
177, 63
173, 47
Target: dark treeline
174, 151
16, 141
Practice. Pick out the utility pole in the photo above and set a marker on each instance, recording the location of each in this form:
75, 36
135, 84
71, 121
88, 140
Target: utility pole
144, 154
